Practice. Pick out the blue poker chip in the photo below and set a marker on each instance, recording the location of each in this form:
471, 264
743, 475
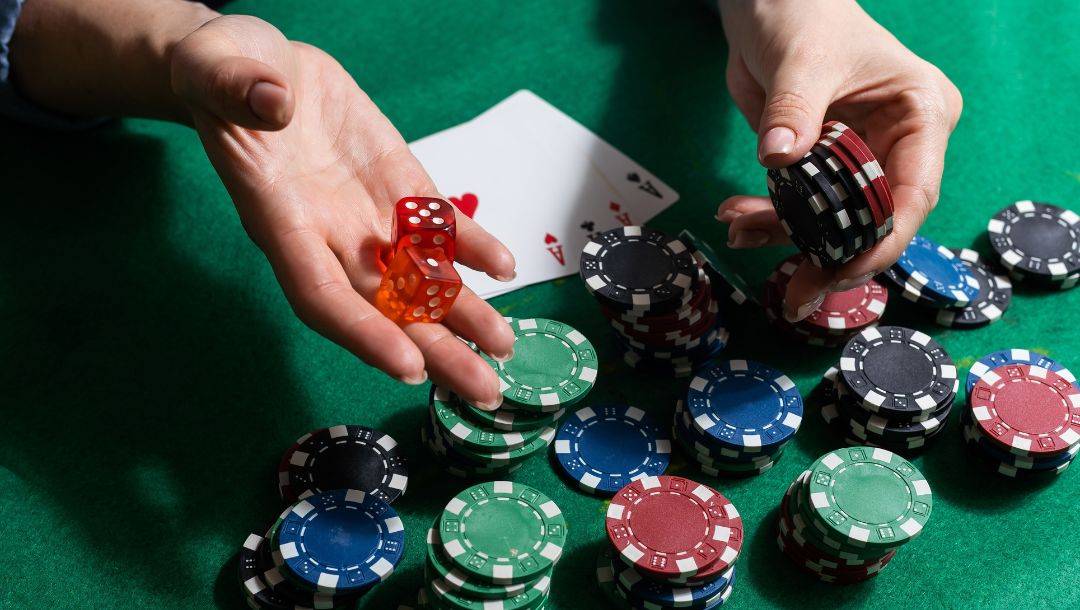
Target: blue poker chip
1010, 356
744, 404
605, 447
935, 273
340, 541
705, 446
667, 595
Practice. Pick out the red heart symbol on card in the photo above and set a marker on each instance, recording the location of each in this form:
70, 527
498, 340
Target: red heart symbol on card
615, 207
550, 239
467, 203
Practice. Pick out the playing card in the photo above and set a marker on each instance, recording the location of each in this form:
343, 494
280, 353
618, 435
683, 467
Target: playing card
539, 192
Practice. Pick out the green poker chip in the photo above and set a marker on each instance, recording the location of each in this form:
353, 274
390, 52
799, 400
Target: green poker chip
446, 413
501, 458
509, 419
456, 589
460, 581
813, 533
554, 365
867, 498
502, 532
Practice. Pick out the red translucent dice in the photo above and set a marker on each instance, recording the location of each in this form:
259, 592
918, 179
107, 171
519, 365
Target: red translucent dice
419, 285
425, 222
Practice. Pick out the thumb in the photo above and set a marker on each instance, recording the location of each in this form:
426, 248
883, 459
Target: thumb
795, 104
211, 73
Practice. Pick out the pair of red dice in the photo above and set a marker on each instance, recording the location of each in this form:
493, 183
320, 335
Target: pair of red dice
420, 283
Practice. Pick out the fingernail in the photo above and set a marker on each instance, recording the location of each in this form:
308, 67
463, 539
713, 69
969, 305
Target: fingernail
267, 101
854, 282
415, 380
794, 315
488, 406
777, 141
748, 238
727, 216
503, 358
504, 278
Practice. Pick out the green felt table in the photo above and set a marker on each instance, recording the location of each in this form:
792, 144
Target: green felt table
152, 373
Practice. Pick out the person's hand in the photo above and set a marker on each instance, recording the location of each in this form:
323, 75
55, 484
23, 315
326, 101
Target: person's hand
314, 170
794, 62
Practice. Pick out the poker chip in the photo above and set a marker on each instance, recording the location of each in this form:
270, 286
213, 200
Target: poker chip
553, 366
869, 498
1037, 240
800, 208
662, 296
726, 282
993, 298
993, 452
642, 588
897, 370
256, 590
1027, 410
715, 599
476, 539
604, 447
637, 268
605, 576
744, 404
340, 541
840, 316
638, 526
842, 521
344, 457
936, 274
1009, 356
464, 432
834, 203
459, 580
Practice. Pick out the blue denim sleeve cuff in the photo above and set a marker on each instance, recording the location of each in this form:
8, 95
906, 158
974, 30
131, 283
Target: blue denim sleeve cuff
12, 104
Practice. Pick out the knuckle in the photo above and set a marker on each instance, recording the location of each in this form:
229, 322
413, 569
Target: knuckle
787, 105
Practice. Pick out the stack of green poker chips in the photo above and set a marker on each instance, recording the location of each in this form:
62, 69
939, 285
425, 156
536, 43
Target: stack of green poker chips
554, 367
843, 519
494, 545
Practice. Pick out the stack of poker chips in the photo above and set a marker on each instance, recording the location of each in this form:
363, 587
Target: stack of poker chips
834, 203
658, 298
1038, 243
844, 518
324, 551
954, 284
292, 564
737, 417
894, 388
840, 316
553, 367
654, 562
1023, 414
603, 447
495, 545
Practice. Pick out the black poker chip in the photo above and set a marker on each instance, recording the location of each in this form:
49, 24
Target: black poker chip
798, 201
1037, 240
833, 199
726, 283
995, 296
858, 208
638, 268
347, 457
897, 371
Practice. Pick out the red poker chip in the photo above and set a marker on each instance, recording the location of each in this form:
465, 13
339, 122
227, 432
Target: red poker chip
877, 208
700, 324
285, 490
698, 302
858, 148
826, 565
840, 312
1027, 410
671, 527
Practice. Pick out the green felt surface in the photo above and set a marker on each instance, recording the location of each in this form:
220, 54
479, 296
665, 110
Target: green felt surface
152, 373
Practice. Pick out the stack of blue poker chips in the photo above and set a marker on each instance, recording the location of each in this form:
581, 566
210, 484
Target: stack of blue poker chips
604, 447
956, 285
737, 417
326, 550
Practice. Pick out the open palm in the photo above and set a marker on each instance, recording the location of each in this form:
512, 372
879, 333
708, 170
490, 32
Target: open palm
314, 172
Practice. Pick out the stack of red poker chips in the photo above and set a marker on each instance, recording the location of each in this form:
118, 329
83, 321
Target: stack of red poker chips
676, 542
835, 202
840, 316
